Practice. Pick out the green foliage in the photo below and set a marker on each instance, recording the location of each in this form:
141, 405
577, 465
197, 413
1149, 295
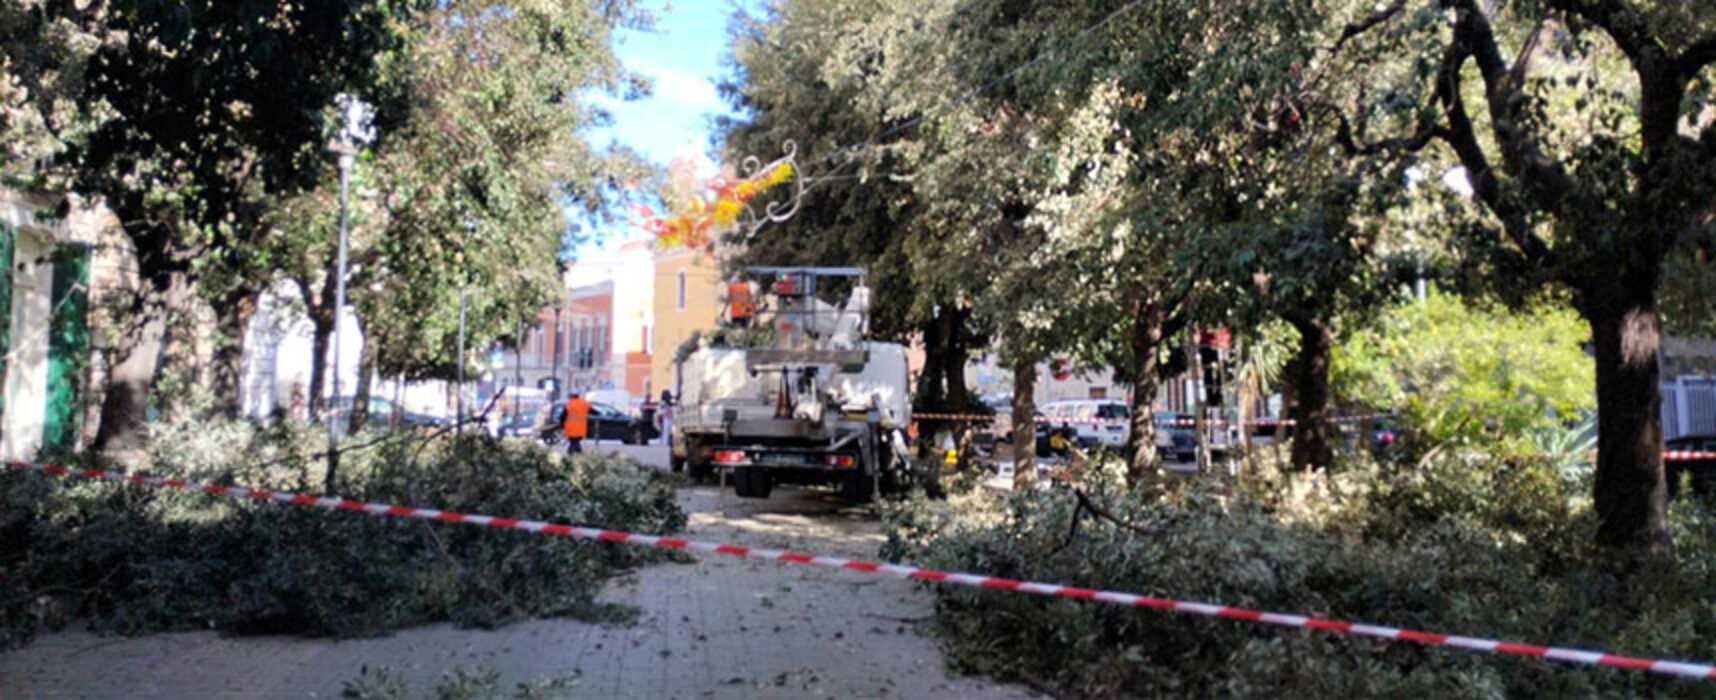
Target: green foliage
1454, 573
384, 684
485, 105
134, 560
457, 683
1459, 373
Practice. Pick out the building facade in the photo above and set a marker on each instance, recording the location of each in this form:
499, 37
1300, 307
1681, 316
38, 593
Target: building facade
687, 301
54, 253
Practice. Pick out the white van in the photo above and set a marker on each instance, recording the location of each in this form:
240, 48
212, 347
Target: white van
1093, 421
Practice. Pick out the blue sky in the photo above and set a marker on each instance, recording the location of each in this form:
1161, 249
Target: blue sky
683, 56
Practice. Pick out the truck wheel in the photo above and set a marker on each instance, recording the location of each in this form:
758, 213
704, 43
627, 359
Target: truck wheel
676, 464
751, 482
858, 486
701, 471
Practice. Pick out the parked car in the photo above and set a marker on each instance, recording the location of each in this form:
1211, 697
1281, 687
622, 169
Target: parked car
1094, 421
1004, 440
605, 423
1176, 437
522, 424
381, 415
1701, 472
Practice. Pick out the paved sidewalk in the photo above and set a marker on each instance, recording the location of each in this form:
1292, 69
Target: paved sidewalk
721, 628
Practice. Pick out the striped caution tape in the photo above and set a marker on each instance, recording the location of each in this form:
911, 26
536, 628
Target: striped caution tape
1170, 422
1686, 669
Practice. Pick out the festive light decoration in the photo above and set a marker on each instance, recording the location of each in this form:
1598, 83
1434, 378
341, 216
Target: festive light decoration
724, 203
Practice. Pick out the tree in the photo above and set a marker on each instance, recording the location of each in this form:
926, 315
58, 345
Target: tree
465, 191
190, 121
1463, 370
865, 202
1583, 132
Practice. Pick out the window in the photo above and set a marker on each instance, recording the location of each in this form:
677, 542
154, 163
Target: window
1113, 410
681, 290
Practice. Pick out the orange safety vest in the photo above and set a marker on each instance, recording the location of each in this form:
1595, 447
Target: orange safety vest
739, 304
577, 418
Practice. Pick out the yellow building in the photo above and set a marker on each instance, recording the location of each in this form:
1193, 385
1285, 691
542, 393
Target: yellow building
687, 300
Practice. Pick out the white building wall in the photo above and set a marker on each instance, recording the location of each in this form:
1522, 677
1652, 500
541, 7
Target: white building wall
279, 345
26, 381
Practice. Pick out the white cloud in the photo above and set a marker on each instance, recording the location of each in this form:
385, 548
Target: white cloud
680, 89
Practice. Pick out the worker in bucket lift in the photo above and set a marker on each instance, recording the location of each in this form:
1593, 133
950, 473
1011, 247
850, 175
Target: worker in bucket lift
577, 423
741, 305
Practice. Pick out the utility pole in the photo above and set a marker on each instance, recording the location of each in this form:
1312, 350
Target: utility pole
554, 392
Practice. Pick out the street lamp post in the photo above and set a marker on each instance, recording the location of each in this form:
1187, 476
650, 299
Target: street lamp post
459, 390
355, 132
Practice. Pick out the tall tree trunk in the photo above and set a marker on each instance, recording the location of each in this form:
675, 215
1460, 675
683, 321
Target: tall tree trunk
1200, 424
131, 376
360, 393
1024, 424
321, 337
1147, 333
958, 396
1631, 495
931, 394
227, 375
1313, 433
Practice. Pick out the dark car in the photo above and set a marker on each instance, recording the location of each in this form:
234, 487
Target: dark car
1701, 471
1004, 441
381, 415
520, 425
605, 423
1176, 436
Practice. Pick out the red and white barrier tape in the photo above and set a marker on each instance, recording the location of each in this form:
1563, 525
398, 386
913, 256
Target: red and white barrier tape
1491, 646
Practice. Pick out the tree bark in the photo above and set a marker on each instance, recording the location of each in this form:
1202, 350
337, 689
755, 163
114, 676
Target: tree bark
1024, 425
360, 392
321, 337
1313, 443
227, 375
1147, 333
1200, 425
131, 377
1631, 494
958, 396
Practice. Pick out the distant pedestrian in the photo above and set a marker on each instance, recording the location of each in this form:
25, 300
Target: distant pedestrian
577, 424
665, 417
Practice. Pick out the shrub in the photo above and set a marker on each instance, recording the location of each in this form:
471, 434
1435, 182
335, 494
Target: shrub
139, 559
1460, 373
1452, 574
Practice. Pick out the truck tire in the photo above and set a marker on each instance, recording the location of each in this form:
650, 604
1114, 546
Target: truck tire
858, 486
675, 463
752, 482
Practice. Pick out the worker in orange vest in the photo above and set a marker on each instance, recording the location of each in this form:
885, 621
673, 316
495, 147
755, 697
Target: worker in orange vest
577, 423
740, 306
